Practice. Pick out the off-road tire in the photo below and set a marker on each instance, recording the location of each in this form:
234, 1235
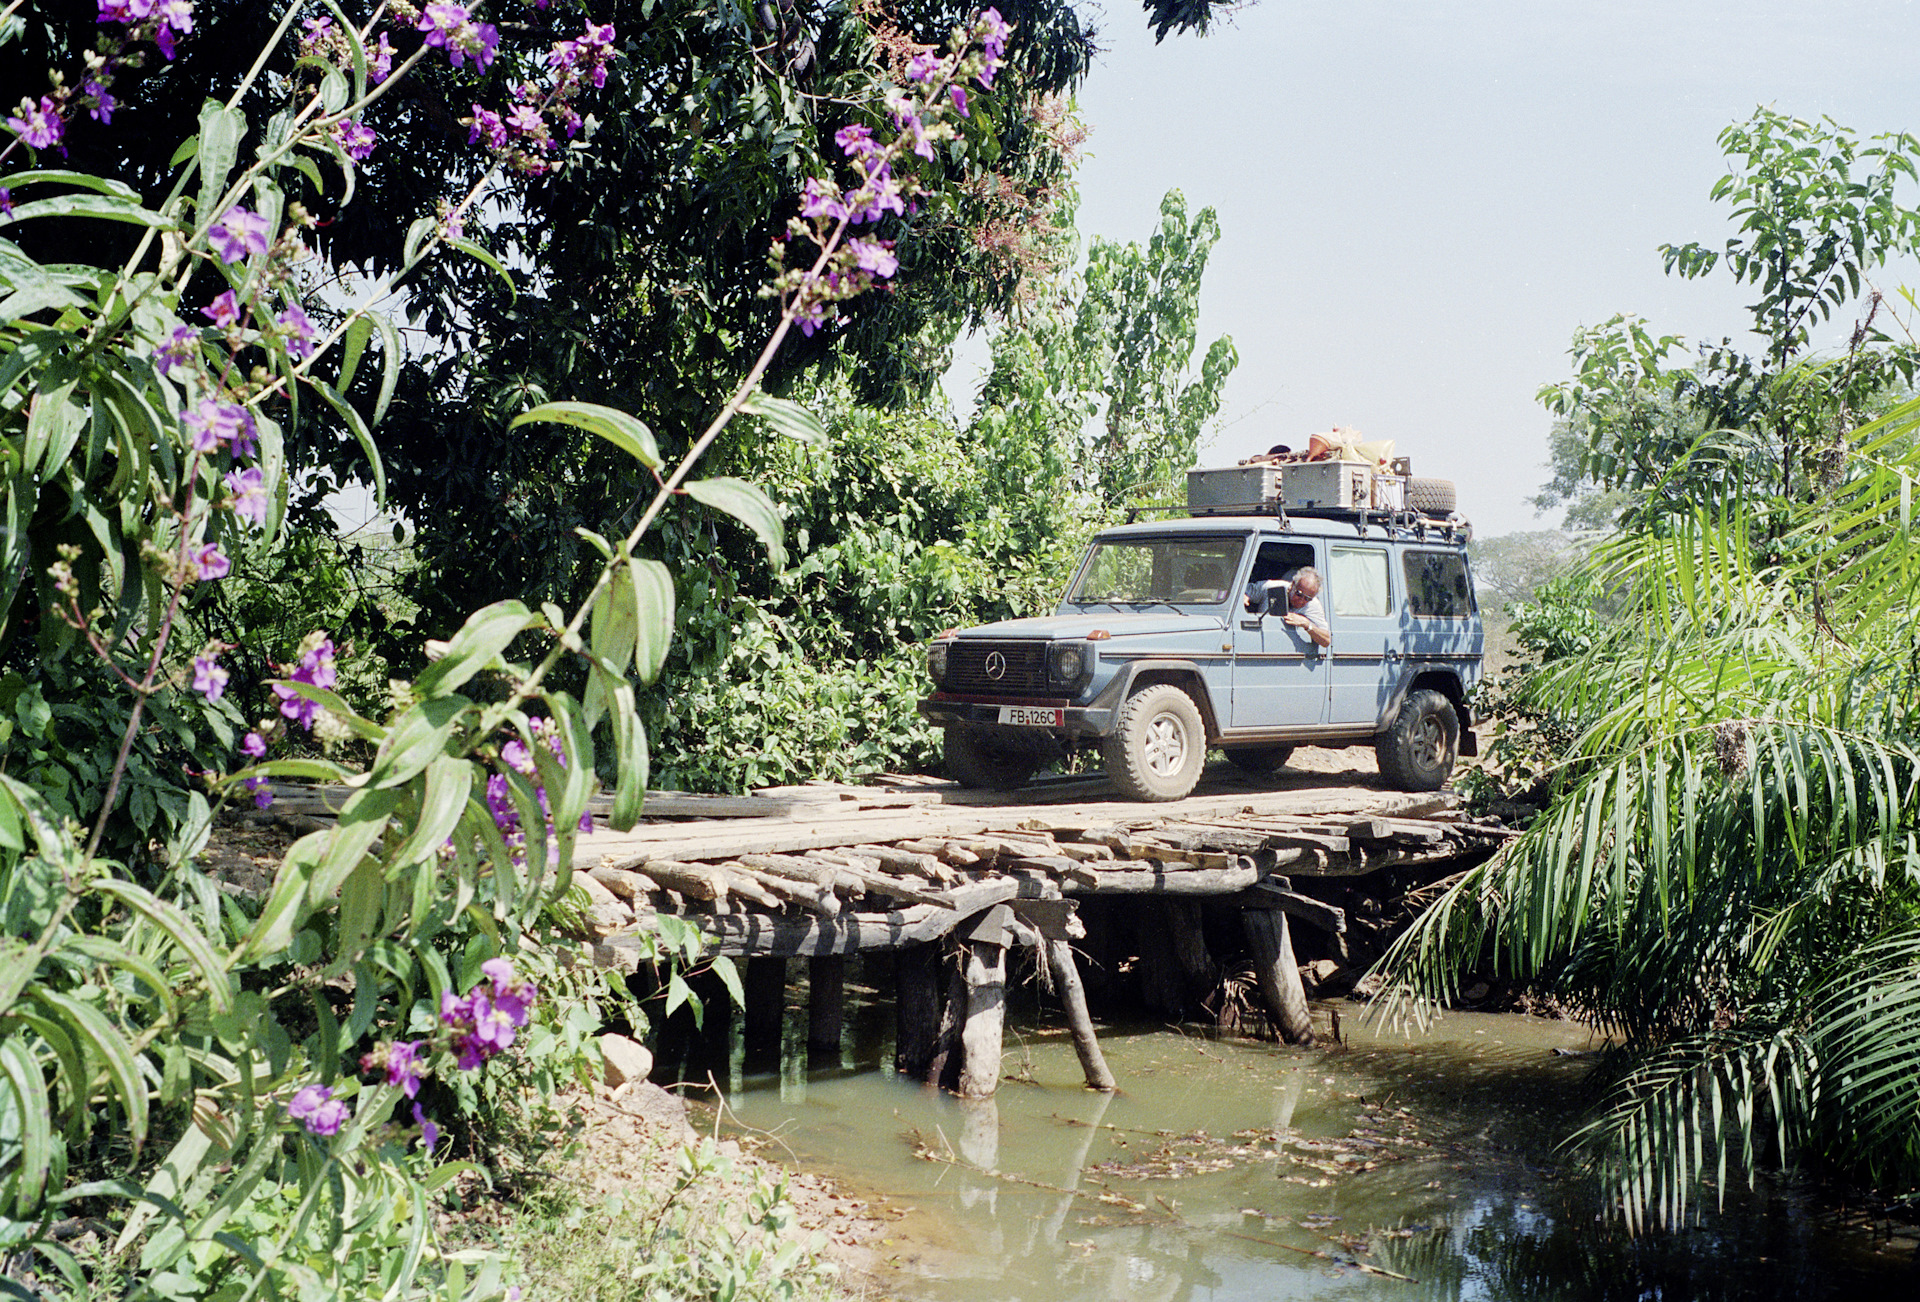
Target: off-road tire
1431, 496
1260, 761
1159, 745
991, 757
1417, 752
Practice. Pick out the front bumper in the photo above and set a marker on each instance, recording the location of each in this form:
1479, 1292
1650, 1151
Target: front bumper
1079, 721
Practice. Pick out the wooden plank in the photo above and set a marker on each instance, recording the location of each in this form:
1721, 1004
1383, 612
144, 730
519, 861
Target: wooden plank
1169, 879
1062, 867
756, 933
895, 859
1052, 919
1325, 916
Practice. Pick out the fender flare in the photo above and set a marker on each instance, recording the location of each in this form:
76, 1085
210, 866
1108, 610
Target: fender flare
1186, 673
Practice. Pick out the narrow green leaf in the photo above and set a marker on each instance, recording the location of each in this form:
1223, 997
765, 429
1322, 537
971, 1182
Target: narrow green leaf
187, 937
653, 616
788, 419
442, 801
475, 647
611, 424
481, 255
362, 435
746, 503
105, 1042
220, 131
418, 738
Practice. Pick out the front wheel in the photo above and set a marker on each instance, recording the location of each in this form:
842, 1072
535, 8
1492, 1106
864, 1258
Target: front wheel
1417, 752
1158, 748
990, 758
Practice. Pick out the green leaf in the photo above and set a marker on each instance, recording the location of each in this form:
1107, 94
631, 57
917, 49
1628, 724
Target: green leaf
220, 131
105, 207
190, 940
475, 647
730, 978
479, 254
62, 176
352, 345
615, 621
422, 230
442, 801
105, 1042
362, 435
417, 740
789, 419
362, 819
652, 586
611, 424
35, 1137
747, 504
630, 755
392, 355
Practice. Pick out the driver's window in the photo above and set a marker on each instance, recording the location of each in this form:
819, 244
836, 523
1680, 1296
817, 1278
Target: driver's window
1276, 560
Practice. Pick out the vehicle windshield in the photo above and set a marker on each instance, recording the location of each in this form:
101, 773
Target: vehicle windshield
1177, 571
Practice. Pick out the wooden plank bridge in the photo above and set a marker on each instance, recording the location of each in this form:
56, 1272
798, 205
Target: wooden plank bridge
948, 880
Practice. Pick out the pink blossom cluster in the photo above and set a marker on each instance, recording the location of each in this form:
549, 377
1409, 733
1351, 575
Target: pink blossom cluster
41, 123
486, 1019
846, 269
527, 136
499, 795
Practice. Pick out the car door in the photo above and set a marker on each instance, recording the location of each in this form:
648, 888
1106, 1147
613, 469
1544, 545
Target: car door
1363, 661
1279, 676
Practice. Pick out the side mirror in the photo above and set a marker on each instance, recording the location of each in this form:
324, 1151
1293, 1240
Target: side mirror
1265, 595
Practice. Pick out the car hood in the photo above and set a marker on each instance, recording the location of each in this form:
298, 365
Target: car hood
1118, 625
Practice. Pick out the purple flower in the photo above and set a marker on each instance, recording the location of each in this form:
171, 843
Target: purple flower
224, 311
253, 744
316, 669
249, 490
262, 797
908, 121
238, 233
40, 126
382, 65
959, 94
512, 995
993, 31
124, 11
875, 256
810, 316
315, 1108
6, 202
487, 123
879, 196
207, 561
429, 1133
356, 139
172, 16
102, 101
178, 350
818, 199
518, 757
402, 1062
449, 27
209, 679
299, 331
923, 66
215, 424
856, 141
524, 120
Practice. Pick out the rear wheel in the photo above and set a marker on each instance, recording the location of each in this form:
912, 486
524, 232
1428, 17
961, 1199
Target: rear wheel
1417, 752
1158, 748
1259, 760
991, 757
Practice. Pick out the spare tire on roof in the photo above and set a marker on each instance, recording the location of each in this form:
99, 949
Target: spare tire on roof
1431, 496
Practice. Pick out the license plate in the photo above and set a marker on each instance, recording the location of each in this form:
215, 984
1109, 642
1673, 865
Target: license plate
1032, 716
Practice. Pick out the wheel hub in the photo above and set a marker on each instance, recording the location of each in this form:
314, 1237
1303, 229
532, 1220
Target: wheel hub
1429, 742
1165, 747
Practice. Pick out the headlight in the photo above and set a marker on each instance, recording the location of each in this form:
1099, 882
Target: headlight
1067, 663
937, 662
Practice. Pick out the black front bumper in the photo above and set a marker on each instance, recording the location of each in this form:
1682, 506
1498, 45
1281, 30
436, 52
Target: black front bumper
1081, 722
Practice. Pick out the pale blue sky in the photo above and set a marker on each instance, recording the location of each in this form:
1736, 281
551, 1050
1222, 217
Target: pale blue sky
1421, 201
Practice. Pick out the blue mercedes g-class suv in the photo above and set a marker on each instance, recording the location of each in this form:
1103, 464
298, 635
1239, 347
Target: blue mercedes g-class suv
1172, 639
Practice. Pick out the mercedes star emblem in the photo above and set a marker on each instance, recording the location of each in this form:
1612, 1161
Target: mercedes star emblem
996, 666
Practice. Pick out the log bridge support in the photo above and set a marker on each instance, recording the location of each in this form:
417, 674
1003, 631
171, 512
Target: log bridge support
950, 906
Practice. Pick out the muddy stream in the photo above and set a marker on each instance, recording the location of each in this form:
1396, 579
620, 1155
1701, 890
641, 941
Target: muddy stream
1382, 1168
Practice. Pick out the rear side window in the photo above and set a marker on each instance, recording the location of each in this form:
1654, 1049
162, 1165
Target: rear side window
1359, 581
1437, 586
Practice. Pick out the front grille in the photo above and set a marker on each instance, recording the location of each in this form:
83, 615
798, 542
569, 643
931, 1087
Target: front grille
1025, 674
